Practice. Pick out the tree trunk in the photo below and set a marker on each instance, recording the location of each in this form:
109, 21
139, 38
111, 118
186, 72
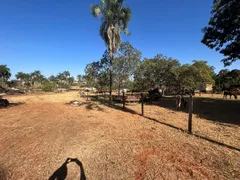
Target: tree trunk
119, 87
111, 60
110, 87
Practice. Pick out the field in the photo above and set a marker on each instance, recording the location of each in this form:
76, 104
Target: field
39, 132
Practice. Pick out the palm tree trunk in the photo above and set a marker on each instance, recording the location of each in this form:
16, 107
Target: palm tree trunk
111, 59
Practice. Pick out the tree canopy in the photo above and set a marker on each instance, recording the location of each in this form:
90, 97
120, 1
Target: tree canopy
5, 73
162, 71
114, 19
125, 64
158, 71
195, 75
223, 30
226, 78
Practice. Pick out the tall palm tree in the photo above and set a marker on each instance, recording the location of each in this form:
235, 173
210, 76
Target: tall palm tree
20, 76
37, 77
114, 20
5, 73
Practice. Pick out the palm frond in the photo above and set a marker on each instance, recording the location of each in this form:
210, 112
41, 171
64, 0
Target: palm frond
96, 10
126, 15
103, 32
112, 13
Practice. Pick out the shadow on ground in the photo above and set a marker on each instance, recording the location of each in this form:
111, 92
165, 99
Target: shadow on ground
218, 110
61, 172
120, 107
15, 104
3, 175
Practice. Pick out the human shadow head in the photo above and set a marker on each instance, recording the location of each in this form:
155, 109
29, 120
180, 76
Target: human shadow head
61, 172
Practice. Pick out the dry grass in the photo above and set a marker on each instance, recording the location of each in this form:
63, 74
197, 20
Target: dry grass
39, 135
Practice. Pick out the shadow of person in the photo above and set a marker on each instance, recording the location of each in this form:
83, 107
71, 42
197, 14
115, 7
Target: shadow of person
61, 173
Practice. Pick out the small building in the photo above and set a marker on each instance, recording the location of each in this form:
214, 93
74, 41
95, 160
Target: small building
206, 88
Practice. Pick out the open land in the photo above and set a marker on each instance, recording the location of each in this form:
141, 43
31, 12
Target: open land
39, 132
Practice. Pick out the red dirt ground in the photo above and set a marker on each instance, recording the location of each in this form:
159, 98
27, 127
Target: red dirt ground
38, 136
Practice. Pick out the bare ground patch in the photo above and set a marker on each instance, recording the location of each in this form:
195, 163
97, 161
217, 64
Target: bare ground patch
38, 136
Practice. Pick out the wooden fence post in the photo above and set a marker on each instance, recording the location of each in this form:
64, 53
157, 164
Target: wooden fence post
190, 114
142, 104
124, 103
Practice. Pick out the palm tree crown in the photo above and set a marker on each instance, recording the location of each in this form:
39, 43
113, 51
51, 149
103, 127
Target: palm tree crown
114, 19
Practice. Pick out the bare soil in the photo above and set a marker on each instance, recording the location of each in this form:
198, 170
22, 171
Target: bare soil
39, 133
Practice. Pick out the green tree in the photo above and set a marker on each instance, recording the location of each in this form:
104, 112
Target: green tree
225, 78
53, 78
24, 78
195, 75
64, 77
36, 77
70, 80
159, 71
223, 30
92, 72
114, 19
12, 83
20, 76
5, 73
49, 86
97, 73
81, 80
125, 64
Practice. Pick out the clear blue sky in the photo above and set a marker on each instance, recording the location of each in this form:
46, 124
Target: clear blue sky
57, 35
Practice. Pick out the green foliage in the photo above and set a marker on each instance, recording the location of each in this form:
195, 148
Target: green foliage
63, 85
125, 64
195, 75
48, 86
159, 71
223, 30
53, 78
12, 83
36, 77
225, 78
70, 81
97, 73
64, 78
123, 68
30, 79
113, 14
5, 73
114, 20
24, 78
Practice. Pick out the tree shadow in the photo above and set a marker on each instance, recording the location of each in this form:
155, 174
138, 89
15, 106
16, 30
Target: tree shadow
3, 174
93, 106
196, 135
15, 104
218, 110
113, 105
61, 172
119, 107
10, 105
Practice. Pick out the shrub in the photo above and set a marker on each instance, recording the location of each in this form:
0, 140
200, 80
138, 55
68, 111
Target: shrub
63, 85
48, 86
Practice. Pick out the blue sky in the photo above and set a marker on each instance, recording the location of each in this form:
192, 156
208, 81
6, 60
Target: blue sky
57, 35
